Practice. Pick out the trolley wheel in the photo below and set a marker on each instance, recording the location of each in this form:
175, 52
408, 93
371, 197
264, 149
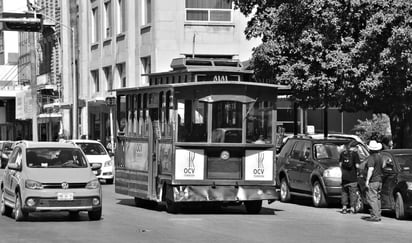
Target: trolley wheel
172, 207
253, 207
145, 203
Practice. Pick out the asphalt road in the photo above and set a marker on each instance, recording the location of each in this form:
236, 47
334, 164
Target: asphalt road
278, 222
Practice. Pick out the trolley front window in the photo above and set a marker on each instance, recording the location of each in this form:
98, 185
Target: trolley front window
192, 120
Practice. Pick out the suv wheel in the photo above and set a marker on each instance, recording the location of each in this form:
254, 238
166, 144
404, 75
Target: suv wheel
284, 191
399, 207
4, 209
19, 215
318, 196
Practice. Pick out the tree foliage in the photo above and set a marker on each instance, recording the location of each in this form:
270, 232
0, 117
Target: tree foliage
351, 54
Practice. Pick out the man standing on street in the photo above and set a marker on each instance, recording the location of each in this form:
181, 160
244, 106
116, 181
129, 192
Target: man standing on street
349, 162
374, 180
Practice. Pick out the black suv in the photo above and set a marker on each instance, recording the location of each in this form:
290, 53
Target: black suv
309, 166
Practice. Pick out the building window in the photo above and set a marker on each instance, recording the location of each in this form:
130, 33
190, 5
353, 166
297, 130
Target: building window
95, 25
209, 10
121, 16
107, 19
96, 82
146, 12
121, 74
146, 68
108, 76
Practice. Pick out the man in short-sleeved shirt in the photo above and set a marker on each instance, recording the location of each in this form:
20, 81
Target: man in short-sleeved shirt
374, 180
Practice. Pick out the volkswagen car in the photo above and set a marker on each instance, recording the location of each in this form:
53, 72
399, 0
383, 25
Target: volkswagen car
49, 176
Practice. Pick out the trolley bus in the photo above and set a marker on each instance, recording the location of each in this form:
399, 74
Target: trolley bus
203, 132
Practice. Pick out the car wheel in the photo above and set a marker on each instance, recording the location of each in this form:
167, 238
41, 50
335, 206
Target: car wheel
284, 191
109, 181
4, 209
318, 196
359, 205
399, 207
95, 214
19, 215
253, 207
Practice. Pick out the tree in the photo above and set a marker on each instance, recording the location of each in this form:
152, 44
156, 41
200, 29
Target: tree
376, 128
352, 54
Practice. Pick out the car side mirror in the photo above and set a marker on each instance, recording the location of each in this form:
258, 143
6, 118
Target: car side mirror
14, 166
96, 166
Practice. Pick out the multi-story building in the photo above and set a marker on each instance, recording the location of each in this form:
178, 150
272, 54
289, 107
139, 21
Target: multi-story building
10, 127
45, 62
120, 41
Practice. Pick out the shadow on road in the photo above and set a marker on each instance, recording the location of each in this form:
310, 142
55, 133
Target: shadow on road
196, 208
55, 217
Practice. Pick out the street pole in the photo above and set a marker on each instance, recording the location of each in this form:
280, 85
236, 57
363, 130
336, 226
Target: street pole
75, 93
33, 57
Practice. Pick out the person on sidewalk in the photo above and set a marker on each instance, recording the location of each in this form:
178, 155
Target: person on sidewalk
349, 162
374, 180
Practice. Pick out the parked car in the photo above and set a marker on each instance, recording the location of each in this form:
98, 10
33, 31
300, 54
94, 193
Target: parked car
96, 153
308, 166
396, 193
5, 151
49, 176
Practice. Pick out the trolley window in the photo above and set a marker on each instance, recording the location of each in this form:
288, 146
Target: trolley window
192, 119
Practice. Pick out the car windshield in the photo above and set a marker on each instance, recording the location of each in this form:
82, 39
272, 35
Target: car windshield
404, 161
328, 150
92, 148
55, 158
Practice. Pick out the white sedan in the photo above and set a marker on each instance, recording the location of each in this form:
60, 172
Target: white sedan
96, 153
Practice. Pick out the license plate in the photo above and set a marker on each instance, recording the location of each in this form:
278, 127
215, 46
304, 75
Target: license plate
65, 196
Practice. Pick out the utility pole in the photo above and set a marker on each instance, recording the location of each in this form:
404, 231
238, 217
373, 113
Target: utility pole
33, 85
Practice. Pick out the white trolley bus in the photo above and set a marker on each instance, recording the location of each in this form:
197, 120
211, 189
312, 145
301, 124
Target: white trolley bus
203, 132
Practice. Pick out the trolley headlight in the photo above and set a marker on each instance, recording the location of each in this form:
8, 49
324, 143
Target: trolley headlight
108, 163
34, 185
93, 184
333, 172
409, 185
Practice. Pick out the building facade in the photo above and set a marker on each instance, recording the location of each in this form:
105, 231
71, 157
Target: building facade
10, 86
45, 65
124, 40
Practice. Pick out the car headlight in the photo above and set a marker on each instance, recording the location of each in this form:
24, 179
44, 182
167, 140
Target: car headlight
333, 172
93, 184
108, 163
409, 184
34, 185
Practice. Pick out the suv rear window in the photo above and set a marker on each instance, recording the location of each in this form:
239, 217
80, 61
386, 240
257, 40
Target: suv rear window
55, 158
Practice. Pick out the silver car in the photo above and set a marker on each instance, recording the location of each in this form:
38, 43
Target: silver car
49, 176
